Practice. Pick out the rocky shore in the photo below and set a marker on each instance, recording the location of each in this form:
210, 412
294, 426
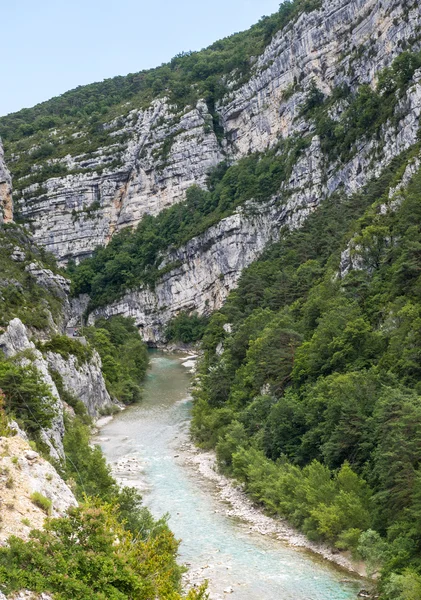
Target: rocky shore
240, 506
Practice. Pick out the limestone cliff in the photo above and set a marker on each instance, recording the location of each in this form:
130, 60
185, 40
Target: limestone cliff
154, 154
84, 381
14, 342
6, 203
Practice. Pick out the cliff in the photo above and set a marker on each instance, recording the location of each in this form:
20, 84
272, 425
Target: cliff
147, 158
6, 203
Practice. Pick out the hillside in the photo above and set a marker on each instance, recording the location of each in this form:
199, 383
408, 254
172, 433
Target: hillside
327, 105
263, 196
57, 496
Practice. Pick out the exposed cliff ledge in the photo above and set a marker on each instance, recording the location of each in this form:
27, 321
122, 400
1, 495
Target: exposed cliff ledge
23, 472
6, 203
84, 381
155, 154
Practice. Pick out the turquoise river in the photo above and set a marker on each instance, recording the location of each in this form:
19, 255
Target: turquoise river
143, 445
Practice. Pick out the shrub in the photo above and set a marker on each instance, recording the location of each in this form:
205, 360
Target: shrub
42, 502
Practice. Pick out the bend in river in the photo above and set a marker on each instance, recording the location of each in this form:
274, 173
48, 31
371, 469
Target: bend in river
143, 446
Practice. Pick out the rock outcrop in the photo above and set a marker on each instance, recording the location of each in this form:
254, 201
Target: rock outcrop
153, 155
15, 343
165, 154
24, 472
209, 266
84, 381
6, 202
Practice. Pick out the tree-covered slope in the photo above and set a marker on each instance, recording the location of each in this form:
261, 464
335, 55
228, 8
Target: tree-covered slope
309, 387
109, 546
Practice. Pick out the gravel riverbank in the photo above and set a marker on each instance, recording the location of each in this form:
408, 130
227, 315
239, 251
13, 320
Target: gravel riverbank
240, 506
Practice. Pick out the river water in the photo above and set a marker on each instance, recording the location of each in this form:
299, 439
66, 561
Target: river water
143, 446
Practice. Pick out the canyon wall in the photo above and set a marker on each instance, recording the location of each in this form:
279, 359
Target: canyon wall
154, 155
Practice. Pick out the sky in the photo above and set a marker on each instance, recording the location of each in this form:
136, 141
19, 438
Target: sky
50, 46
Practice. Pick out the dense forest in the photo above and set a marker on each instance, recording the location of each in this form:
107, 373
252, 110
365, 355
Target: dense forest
314, 404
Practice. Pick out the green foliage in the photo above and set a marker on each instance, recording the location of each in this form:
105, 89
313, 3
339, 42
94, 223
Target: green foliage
66, 346
4, 424
42, 502
365, 112
21, 295
90, 555
123, 354
314, 403
26, 397
85, 465
186, 328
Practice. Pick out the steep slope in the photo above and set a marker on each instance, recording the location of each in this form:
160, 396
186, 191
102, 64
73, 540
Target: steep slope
6, 202
330, 102
142, 161
309, 387
24, 473
51, 385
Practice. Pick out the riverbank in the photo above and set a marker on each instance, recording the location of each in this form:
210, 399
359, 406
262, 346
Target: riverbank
148, 446
239, 505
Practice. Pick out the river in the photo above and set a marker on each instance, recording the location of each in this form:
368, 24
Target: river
143, 446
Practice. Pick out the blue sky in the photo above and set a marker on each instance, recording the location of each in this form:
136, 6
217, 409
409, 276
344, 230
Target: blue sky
51, 46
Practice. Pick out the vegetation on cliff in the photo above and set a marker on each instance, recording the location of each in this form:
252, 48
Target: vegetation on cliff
134, 258
108, 547
21, 295
314, 403
124, 356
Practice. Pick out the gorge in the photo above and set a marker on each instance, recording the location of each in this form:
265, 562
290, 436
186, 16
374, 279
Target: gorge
257, 202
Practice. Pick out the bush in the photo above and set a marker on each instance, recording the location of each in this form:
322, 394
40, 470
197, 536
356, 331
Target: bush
42, 502
123, 354
66, 346
90, 555
26, 397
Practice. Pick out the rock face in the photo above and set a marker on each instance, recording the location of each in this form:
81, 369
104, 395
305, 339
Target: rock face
84, 381
344, 42
165, 154
204, 279
13, 343
6, 203
23, 472
211, 264
153, 155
